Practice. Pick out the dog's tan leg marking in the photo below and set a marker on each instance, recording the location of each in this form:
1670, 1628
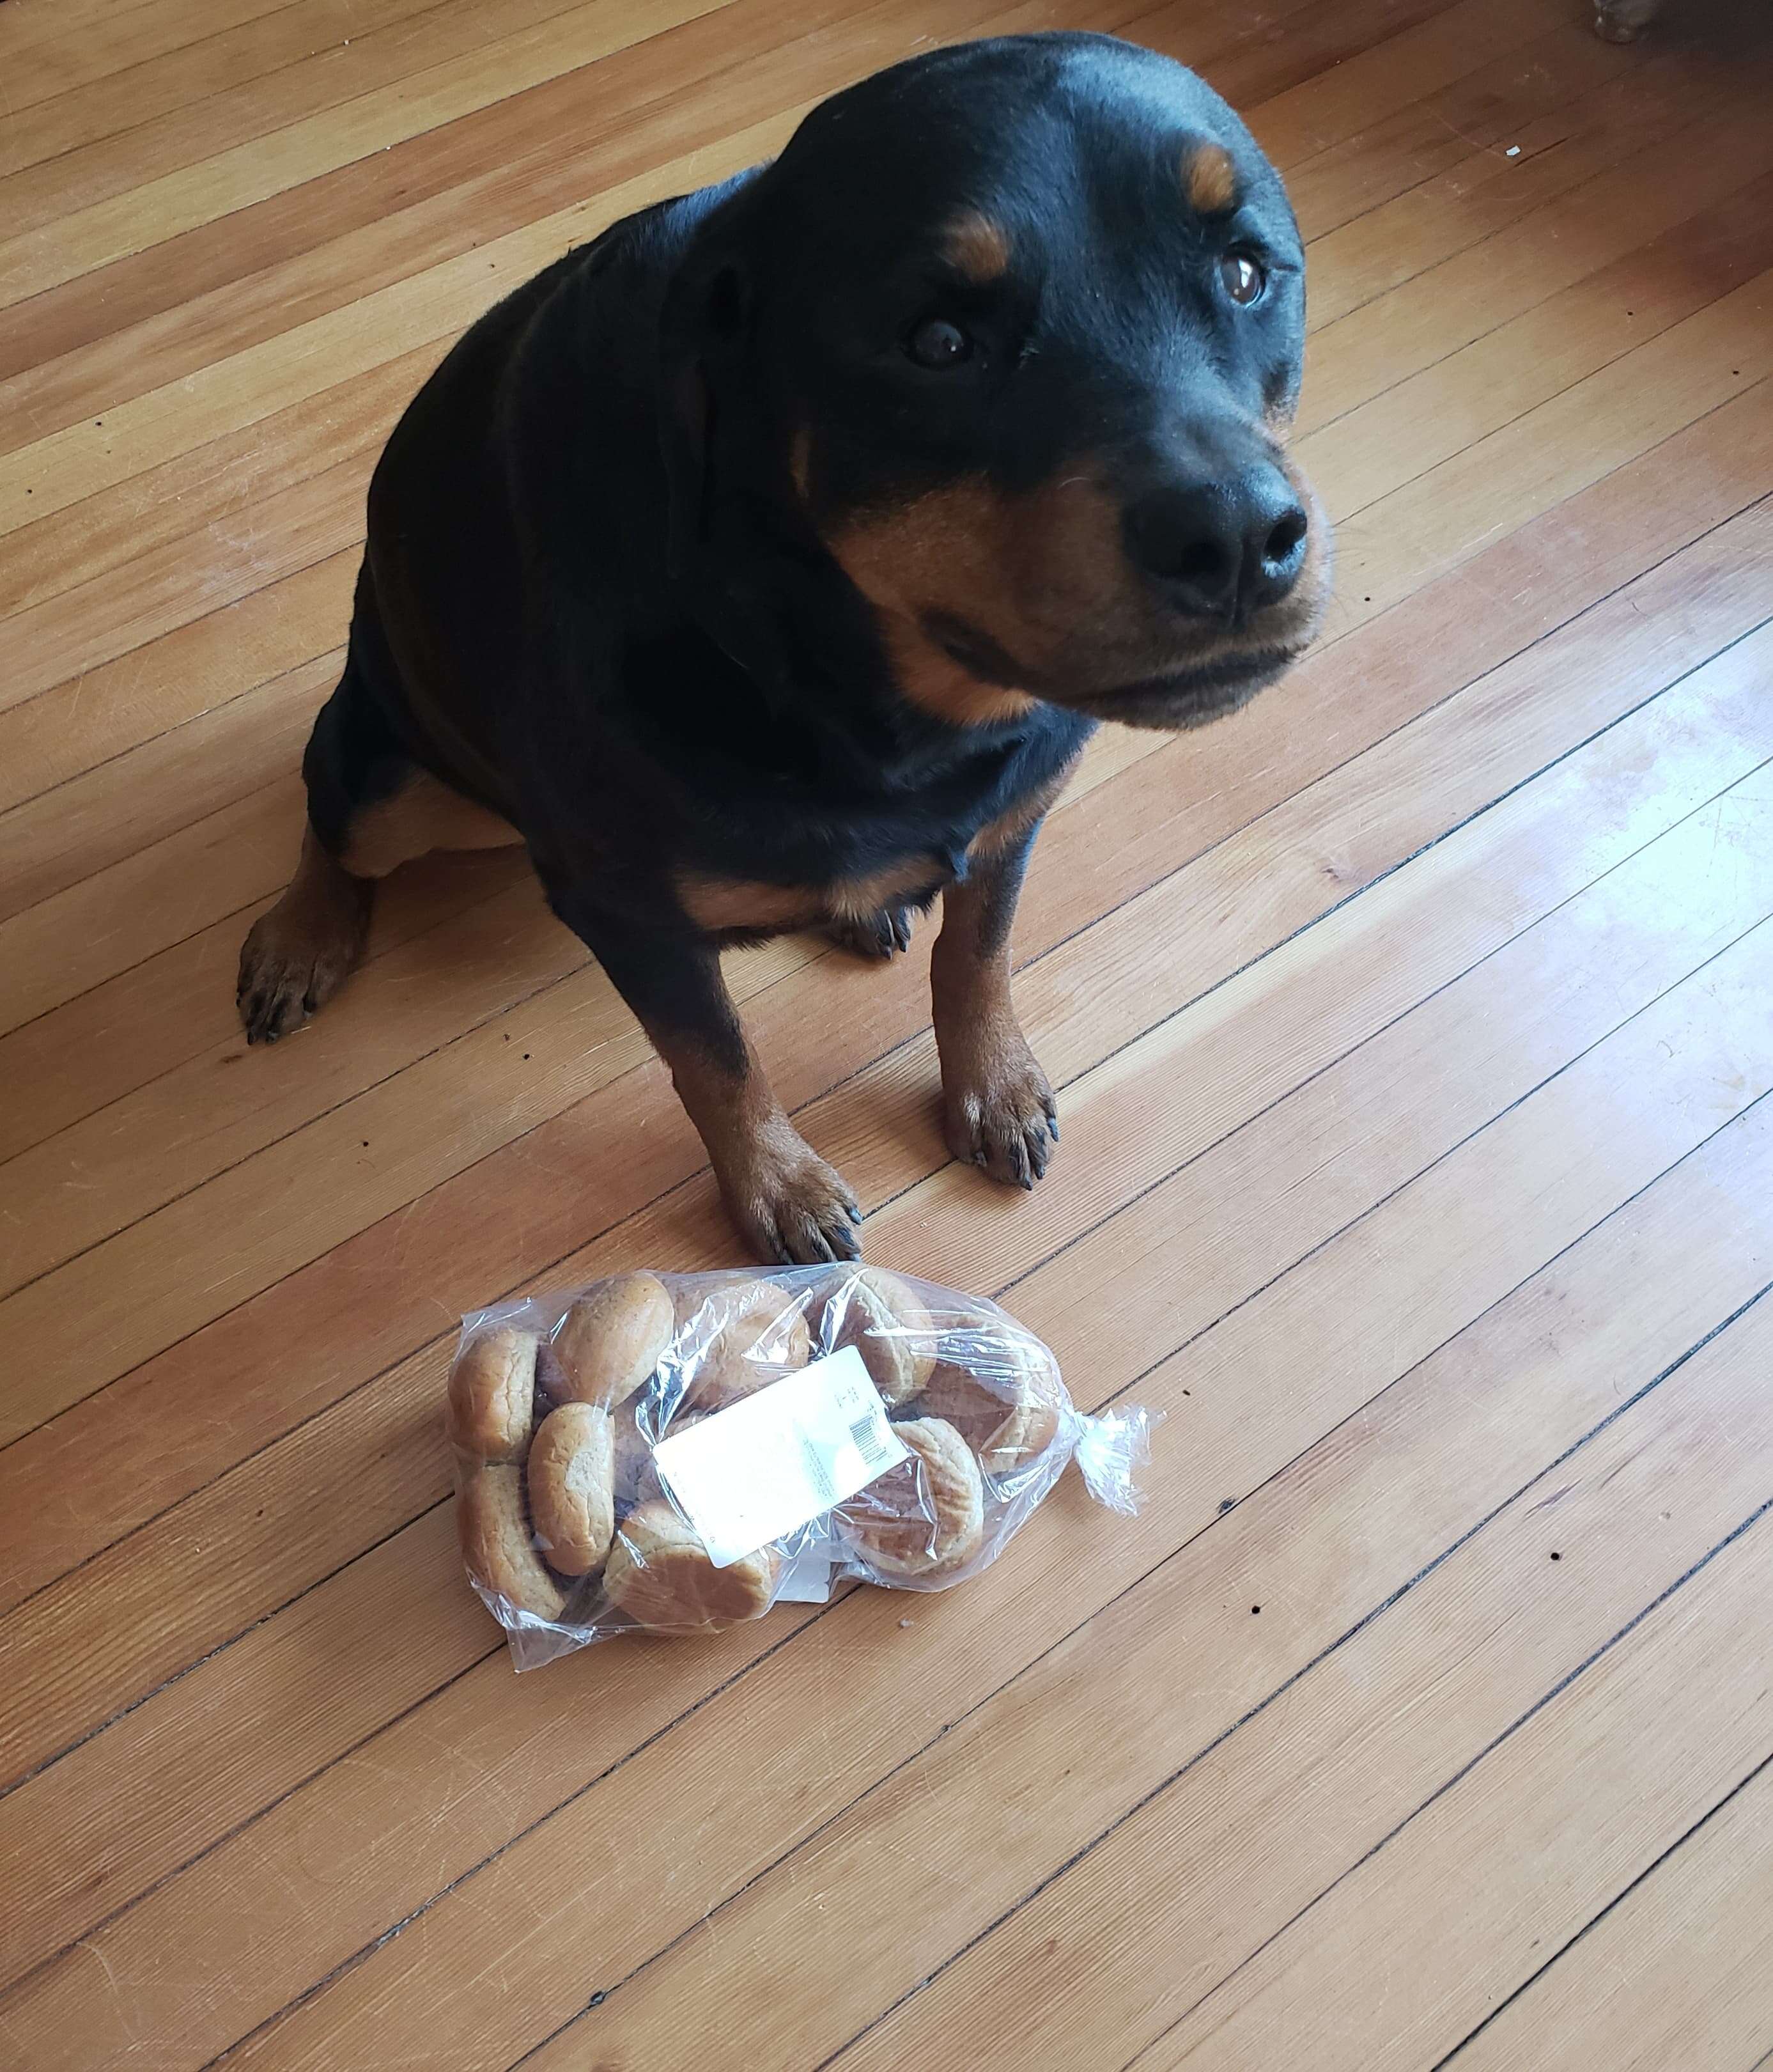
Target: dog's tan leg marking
998, 1110
784, 1199
297, 955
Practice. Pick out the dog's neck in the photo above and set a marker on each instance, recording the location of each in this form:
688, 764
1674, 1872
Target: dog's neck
823, 668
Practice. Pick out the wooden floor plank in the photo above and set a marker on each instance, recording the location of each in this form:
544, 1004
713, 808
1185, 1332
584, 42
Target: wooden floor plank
188, 104
90, 237
1460, 300
1672, 1972
283, 535
146, 795
1415, 61
54, 53
158, 896
1265, 1818
1528, 1820
183, 675
183, 1000
1528, 76
210, 483
1625, 408
1557, 153
1433, 416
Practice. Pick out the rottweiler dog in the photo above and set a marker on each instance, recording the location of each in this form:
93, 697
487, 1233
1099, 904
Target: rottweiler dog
766, 564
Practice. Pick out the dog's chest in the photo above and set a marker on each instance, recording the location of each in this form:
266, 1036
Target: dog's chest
944, 841
752, 907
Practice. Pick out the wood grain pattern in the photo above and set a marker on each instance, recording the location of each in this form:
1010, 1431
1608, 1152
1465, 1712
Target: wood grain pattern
1411, 1031
1628, 1984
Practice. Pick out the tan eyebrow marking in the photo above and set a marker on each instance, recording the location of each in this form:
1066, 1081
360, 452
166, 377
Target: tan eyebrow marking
979, 248
1208, 179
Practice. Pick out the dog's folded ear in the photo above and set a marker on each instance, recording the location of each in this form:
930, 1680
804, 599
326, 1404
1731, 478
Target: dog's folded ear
704, 325
709, 435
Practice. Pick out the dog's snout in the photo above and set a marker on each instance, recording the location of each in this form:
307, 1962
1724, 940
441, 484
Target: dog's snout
1223, 548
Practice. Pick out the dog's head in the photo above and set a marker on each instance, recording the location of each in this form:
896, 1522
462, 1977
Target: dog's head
1011, 332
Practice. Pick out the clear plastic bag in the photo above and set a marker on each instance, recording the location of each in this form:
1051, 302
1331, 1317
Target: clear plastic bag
846, 1421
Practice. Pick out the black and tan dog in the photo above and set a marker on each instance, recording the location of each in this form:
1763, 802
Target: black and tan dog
767, 563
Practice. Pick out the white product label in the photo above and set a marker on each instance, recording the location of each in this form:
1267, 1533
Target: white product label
779, 1458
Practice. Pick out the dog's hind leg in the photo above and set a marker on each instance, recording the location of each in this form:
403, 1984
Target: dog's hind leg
296, 957
371, 808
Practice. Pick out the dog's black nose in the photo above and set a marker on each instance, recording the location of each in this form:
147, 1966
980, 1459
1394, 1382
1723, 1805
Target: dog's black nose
1222, 548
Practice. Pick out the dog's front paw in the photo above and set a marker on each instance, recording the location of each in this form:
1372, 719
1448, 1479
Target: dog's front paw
1001, 1114
791, 1205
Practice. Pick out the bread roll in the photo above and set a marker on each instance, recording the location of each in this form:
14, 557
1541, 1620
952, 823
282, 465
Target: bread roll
755, 1336
1006, 1402
715, 1294
660, 1574
492, 1393
924, 1518
495, 1541
609, 1342
571, 1487
884, 1318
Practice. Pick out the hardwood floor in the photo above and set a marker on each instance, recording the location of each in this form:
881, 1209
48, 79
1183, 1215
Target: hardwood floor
1413, 1036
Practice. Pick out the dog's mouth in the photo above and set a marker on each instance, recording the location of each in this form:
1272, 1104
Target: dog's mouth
1186, 693
1191, 696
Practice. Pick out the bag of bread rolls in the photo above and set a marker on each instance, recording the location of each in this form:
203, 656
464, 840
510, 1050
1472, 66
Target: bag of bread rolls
672, 1454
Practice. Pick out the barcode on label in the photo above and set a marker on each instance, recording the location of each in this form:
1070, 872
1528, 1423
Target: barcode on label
872, 1443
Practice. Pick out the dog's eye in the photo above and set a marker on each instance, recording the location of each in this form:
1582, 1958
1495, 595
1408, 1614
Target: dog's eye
1241, 278
938, 343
